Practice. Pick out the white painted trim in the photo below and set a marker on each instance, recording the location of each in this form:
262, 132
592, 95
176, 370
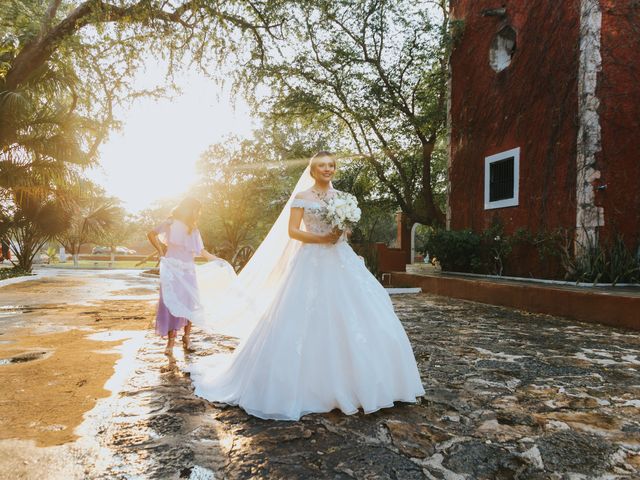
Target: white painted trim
510, 202
589, 216
403, 291
23, 278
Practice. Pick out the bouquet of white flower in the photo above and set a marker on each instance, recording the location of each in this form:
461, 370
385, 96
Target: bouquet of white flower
342, 211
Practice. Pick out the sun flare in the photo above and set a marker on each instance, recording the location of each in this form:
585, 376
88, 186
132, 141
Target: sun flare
154, 155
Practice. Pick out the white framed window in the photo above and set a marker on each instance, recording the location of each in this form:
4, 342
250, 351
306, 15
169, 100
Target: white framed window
502, 179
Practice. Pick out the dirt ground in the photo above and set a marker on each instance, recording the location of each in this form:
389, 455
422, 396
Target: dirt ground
51, 371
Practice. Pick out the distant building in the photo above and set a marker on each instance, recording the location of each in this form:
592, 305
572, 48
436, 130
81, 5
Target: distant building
545, 120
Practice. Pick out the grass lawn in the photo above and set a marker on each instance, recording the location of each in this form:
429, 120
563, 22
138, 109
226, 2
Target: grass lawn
105, 264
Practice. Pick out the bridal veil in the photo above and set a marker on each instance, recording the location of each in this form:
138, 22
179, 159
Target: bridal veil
232, 304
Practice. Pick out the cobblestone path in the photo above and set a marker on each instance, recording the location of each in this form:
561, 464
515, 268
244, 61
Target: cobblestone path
509, 395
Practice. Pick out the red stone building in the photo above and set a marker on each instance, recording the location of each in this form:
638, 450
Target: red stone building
545, 120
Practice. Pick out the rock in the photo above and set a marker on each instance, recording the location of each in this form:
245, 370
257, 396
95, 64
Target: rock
533, 455
451, 418
281, 434
557, 425
569, 451
166, 424
480, 460
189, 405
586, 421
370, 463
415, 440
515, 417
502, 433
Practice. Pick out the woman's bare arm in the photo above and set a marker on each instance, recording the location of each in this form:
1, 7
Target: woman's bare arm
160, 247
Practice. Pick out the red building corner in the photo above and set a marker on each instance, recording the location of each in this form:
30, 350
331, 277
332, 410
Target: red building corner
545, 121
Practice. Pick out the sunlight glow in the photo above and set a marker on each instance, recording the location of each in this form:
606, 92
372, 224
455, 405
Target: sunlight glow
154, 155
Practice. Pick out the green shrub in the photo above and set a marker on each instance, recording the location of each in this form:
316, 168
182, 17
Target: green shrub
455, 250
467, 251
489, 252
12, 272
611, 262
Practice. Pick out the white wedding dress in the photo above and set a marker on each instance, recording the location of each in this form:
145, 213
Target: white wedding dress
328, 339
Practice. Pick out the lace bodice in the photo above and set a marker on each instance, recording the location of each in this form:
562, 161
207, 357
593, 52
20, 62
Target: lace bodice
313, 215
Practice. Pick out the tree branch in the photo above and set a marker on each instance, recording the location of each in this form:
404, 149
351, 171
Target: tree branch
49, 16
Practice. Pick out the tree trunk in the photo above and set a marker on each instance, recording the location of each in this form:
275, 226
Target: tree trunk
433, 213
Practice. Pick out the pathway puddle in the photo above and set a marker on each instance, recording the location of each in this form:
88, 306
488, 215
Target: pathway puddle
10, 310
99, 419
24, 357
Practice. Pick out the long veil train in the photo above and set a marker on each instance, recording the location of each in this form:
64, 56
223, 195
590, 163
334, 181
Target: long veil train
232, 304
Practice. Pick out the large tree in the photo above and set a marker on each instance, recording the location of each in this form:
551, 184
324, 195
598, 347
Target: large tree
92, 215
378, 69
65, 65
30, 222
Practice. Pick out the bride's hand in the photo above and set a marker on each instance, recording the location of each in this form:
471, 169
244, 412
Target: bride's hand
334, 236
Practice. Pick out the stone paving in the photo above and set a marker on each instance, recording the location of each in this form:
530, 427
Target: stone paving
509, 395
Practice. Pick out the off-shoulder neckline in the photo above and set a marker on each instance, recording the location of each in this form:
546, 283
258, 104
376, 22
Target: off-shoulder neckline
307, 201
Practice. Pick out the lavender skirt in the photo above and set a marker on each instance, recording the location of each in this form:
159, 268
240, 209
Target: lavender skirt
165, 322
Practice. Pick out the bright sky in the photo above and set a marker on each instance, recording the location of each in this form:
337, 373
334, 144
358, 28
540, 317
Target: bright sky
154, 154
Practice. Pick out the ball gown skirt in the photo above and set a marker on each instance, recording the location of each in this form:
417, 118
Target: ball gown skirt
330, 339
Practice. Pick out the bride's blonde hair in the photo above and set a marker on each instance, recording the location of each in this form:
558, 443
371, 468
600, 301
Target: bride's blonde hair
318, 156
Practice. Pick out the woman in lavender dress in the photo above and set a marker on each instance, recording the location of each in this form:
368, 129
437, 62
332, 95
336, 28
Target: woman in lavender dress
178, 242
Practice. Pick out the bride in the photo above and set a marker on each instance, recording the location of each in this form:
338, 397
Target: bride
317, 330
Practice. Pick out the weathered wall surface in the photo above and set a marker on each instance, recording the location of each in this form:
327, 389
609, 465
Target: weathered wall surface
619, 95
532, 104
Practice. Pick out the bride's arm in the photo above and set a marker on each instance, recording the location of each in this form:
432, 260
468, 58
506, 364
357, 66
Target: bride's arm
295, 232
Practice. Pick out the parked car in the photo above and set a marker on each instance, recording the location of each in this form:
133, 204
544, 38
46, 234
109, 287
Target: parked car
119, 250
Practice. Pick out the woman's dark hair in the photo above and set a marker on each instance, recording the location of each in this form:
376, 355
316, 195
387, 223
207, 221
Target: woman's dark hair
187, 212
